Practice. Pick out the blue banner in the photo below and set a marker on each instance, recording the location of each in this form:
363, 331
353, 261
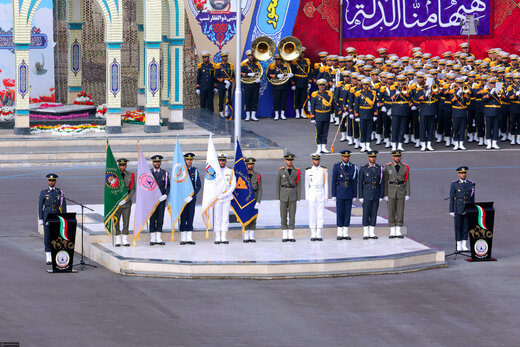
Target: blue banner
243, 203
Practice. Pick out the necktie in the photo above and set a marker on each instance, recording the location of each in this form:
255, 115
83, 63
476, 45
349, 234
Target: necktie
397, 168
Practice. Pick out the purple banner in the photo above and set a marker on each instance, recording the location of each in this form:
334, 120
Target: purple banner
402, 18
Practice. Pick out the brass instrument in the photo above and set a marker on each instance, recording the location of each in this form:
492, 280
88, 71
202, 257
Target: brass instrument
499, 93
466, 89
263, 48
435, 88
290, 49
405, 90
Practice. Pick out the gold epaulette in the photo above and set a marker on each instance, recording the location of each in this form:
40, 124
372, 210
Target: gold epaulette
272, 65
316, 65
198, 66
324, 167
329, 92
232, 66
308, 61
314, 94
216, 66
338, 84
358, 93
322, 69
451, 91
244, 63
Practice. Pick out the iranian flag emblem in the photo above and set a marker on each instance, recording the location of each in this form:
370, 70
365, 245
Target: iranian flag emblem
481, 217
64, 226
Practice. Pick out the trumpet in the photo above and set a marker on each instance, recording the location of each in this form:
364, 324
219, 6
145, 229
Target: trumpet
405, 90
466, 89
435, 88
499, 93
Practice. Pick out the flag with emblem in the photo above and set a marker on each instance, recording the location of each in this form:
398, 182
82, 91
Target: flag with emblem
147, 195
214, 184
243, 203
181, 188
115, 190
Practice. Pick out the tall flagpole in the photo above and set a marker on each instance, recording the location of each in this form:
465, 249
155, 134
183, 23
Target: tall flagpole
238, 84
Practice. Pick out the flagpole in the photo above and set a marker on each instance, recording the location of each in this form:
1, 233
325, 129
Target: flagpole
238, 84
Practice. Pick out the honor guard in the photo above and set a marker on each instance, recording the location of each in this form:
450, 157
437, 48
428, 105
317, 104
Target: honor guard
370, 192
300, 82
279, 75
365, 109
256, 184
288, 190
316, 193
125, 206
225, 77
162, 178
251, 68
206, 82
188, 213
344, 190
51, 200
223, 204
321, 106
397, 190
462, 192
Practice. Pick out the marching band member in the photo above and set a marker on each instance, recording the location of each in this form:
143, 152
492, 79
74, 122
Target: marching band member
278, 72
205, 87
492, 99
460, 101
366, 113
321, 106
427, 101
400, 111
225, 77
251, 68
300, 82
513, 94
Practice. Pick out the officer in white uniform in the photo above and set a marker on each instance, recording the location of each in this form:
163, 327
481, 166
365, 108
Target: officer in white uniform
223, 204
316, 193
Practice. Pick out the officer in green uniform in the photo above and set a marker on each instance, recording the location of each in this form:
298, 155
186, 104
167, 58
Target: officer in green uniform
397, 190
256, 184
125, 206
288, 188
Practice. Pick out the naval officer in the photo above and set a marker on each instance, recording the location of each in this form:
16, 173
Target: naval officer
316, 193
162, 177
188, 213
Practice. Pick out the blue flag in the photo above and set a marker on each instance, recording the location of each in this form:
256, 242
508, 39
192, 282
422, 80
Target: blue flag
243, 203
181, 188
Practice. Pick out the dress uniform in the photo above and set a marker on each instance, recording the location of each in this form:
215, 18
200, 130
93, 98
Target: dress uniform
162, 178
223, 204
427, 101
492, 102
399, 112
459, 113
462, 192
206, 82
277, 72
51, 200
386, 105
256, 184
301, 68
251, 68
288, 190
513, 94
316, 193
370, 191
125, 206
321, 106
188, 213
365, 109
444, 121
225, 77
397, 190
344, 190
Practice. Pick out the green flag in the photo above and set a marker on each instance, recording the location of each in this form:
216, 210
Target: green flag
115, 190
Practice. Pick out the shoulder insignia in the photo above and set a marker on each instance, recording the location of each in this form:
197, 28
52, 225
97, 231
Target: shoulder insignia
314, 94
199, 65
308, 61
308, 168
232, 66
271, 65
217, 66
358, 93
281, 168
388, 164
338, 84
324, 167
322, 69
316, 65
329, 92
244, 63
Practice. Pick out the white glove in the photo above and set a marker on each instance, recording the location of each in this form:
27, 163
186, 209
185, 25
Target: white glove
220, 196
258, 80
380, 199
227, 83
257, 205
121, 203
389, 113
452, 214
357, 119
293, 87
40, 221
333, 198
188, 199
374, 118
308, 86
360, 200
215, 90
351, 116
345, 114
280, 75
227, 86
459, 92
517, 93
383, 109
251, 74
197, 91
313, 121
492, 91
397, 92
414, 108
162, 198
407, 198
428, 93
386, 198
290, 75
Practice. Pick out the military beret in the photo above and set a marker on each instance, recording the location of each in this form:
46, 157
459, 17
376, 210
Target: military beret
122, 161
222, 156
189, 156
289, 156
372, 153
250, 160
315, 156
51, 176
462, 169
397, 153
345, 153
157, 157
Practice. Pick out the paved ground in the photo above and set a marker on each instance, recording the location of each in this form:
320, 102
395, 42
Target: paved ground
467, 303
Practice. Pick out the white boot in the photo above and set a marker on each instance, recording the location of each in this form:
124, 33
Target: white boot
276, 115
152, 239
248, 116
339, 234
372, 232
331, 118
297, 114
439, 138
222, 115
400, 147
398, 233
345, 234
290, 235
461, 145
494, 145
183, 238
387, 143
363, 147
118, 241
429, 146
246, 236
470, 137
217, 237
392, 233
423, 146
480, 141
488, 144
513, 140
282, 115
223, 238
48, 258
394, 146
518, 139
252, 236
318, 235
158, 240
336, 121
284, 236
414, 140
324, 149
367, 147
365, 233
447, 140
350, 140
253, 116
318, 149
343, 137
455, 145
504, 137
459, 246
417, 144
406, 138
125, 241
189, 238
356, 143
378, 139
465, 245
313, 234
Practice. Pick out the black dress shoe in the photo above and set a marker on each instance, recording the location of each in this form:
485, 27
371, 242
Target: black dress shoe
319, 239
313, 239
126, 245
118, 245
285, 240
339, 238
374, 237
182, 243
217, 242
347, 238
292, 240
152, 243
49, 263
162, 243
391, 237
252, 240
224, 242
190, 242
245, 241
365, 237
400, 237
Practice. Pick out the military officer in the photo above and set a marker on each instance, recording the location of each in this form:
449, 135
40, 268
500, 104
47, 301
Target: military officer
321, 107
316, 193
279, 75
225, 77
125, 206
370, 192
51, 200
344, 190
223, 204
397, 190
256, 184
251, 68
288, 190
205, 87
188, 213
301, 68
162, 177
462, 192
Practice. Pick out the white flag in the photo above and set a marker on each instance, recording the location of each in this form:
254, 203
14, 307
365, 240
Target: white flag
214, 183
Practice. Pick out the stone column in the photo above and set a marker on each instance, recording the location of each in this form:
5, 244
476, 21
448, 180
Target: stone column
75, 19
165, 64
113, 89
176, 64
141, 98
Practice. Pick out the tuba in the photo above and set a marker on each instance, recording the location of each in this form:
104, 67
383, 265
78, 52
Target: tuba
263, 49
290, 49
466, 89
435, 88
405, 90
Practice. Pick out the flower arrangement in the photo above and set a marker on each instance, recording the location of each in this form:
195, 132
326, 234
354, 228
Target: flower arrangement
101, 111
199, 4
67, 130
53, 117
134, 117
83, 98
47, 105
6, 113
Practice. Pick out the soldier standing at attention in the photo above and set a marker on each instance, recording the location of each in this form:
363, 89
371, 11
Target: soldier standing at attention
224, 76
301, 68
397, 190
188, 213
206, 82
162, 178
316, 193
462, 192
279, 77
256, 184
321, 107
223, 204
125, 206
371, 191
52, 200
288, 188
344, 190
251, 68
